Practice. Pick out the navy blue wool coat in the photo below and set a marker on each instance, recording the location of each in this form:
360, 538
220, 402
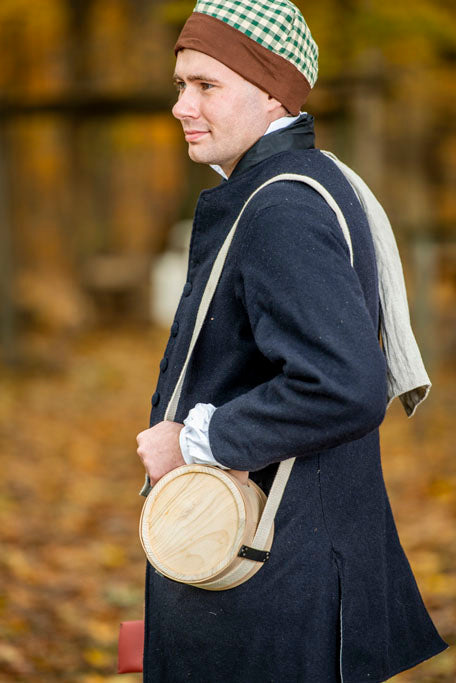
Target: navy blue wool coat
289, 355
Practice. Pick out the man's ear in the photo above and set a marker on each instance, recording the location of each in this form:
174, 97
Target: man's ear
274, 105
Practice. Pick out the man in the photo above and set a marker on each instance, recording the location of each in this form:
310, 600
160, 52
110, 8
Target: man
288, 364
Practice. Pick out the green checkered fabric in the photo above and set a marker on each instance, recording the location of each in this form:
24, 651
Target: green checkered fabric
277, 25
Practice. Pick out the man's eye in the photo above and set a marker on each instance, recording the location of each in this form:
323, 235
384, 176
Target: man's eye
206, 86
180, 85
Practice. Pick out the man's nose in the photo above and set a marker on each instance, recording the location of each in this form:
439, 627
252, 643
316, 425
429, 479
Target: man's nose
186, 106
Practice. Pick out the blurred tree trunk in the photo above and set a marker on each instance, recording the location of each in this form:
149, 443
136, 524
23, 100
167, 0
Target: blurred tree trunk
78, 14
7, 315
369, 121
420, 218
79, 70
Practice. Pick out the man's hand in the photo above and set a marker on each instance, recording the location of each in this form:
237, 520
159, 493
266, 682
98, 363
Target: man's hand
159, 449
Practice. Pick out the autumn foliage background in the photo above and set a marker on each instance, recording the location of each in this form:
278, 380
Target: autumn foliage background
93, 177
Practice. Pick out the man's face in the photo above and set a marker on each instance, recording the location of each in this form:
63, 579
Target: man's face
221, 113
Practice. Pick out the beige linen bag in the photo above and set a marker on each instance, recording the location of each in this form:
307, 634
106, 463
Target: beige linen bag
199, 525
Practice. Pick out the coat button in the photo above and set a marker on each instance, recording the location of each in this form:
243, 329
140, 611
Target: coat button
155, 399
188, 289
164, 364
175, 329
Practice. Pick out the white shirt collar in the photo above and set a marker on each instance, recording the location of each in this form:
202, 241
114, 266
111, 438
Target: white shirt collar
273, 127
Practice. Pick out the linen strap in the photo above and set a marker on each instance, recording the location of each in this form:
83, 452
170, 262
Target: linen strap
285, 467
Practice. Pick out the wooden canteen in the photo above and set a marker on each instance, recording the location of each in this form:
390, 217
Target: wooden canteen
197, 523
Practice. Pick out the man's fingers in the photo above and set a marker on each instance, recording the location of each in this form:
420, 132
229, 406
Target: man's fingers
140, 436
141, 450
240, 475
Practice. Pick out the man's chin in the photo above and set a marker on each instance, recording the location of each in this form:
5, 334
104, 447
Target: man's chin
199, 156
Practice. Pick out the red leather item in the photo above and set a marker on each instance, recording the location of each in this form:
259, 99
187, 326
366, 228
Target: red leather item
131, 647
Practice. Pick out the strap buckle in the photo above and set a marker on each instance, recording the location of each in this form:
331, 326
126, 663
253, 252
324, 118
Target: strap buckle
253, 554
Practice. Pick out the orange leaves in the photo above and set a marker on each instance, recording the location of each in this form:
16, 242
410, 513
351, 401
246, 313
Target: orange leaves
71, 563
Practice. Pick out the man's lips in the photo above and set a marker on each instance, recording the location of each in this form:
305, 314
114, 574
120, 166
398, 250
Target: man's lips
193, 135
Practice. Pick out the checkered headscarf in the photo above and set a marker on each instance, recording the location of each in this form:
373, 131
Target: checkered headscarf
268, 43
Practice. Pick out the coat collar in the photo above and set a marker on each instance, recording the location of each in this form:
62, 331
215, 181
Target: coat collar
300, 135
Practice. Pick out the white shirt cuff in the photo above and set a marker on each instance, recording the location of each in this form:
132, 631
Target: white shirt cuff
194, 437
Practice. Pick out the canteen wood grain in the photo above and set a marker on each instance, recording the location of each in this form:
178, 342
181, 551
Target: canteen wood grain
194, 522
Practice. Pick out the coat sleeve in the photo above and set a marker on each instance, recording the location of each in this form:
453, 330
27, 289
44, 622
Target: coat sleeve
310, 320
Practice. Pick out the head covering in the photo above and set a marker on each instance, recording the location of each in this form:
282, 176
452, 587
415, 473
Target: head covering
268, 43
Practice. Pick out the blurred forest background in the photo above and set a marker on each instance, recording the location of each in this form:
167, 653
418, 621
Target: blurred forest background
96, 195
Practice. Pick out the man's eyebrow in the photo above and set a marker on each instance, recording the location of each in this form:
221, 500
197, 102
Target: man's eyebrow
195, 77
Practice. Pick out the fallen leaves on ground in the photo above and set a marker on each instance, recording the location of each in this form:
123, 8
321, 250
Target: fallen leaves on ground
71, 564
